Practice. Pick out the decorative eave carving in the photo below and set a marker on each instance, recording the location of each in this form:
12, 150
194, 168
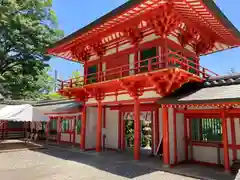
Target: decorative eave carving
165, 21
134, 34
204, 45
187, 36
99, 48
81, 53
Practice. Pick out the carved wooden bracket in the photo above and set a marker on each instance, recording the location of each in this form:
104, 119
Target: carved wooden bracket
134, 34
99, 48
165, 21
80, 53
187, 35
132, 88
204, 45
95, 93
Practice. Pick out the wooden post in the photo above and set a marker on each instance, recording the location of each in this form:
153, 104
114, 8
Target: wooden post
99, 128
46, 131
175, 136
166, 157
119, 129
123, 141
137, 129
225, 142
83, 128
186, 137
74, 130
233, 134
153, 133
58, 129
156, 127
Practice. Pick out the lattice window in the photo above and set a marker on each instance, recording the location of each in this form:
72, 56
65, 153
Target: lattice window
206, 129
65, 126
53, 126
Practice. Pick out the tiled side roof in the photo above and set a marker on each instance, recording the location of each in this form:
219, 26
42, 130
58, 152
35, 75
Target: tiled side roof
223, 80
217, 89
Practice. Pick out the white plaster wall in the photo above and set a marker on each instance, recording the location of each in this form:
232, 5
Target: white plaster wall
111, 129
180, 137
77, 138
237, 130
91, 125
65, 137
205, 154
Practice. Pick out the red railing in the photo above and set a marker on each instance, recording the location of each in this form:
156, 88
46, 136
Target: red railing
147, 65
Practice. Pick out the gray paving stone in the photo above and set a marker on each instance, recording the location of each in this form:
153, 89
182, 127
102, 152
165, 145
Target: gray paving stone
56, 164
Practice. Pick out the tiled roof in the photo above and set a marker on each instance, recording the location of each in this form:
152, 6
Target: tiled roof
223, 80
217, 89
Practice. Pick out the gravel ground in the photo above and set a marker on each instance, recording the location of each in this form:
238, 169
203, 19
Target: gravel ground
56, 164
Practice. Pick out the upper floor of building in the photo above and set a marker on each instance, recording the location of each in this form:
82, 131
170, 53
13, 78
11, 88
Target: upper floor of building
143, 36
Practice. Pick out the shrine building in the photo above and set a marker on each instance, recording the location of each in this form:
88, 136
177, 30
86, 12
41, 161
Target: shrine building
143, 58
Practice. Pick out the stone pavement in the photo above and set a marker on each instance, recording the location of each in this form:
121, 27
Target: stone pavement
56, 164
189, 170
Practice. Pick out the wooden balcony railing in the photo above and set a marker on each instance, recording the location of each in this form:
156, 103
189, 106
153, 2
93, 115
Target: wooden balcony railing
147, 65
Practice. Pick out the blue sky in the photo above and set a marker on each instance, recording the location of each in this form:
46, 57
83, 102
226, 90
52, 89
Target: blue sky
74, 14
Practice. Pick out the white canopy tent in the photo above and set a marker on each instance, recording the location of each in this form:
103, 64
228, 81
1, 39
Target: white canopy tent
23, 113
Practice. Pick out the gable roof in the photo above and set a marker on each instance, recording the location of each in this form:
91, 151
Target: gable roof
130, 4
217, 89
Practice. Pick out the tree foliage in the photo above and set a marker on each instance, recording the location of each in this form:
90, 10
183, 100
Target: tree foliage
26, 29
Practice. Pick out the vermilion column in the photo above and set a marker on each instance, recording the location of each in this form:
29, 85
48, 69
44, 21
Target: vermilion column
74, 129
137, 129
123, 142
99, 128
119, 129
225, 142
47, 130
165, 125
58, 129
156, 127
83, 128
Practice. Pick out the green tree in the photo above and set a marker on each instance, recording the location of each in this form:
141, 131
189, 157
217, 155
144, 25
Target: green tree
26, 29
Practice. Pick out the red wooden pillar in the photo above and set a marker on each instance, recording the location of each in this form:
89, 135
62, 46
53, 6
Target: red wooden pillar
83, 128
123, 142
186, 137
47, 130
99, 128
156, 127
225, 142
175, 135
166, 157
153, 133
74, 130
58, 129
119, 129
137, 129
233, 134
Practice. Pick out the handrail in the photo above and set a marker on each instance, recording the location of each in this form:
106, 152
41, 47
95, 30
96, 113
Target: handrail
173, 60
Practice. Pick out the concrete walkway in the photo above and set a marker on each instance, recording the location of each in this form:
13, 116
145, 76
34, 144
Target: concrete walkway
188, 170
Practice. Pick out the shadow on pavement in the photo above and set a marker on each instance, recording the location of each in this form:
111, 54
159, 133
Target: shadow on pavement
122, 164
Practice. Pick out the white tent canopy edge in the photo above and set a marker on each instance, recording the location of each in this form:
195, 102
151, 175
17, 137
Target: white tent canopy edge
22, 113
